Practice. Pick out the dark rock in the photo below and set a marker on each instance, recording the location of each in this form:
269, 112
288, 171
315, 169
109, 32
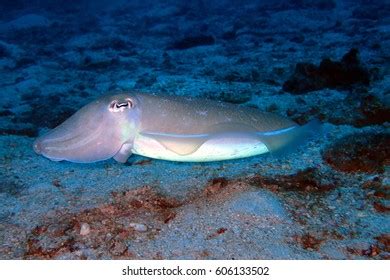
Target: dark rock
272, 108
29, 132
24, 61
229, 35
191, 42
342, 74
90, 63
376, 46
5, 113
13, 5
369, 12
115, 43
297, 4
362, 152
58, 116
45, 111
234, 76
167, 62
45, 51
11, 187
119, 44
244, 77
297, 39
326, 5
207, 71
29, 96
255, 75
3, 51
316, 4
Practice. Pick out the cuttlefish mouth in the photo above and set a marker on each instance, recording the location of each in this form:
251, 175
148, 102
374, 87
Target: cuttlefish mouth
96, 132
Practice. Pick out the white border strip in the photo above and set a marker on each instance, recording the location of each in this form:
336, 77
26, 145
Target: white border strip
111, 270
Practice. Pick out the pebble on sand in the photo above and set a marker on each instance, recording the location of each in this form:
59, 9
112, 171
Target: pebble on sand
138, 227
85, 229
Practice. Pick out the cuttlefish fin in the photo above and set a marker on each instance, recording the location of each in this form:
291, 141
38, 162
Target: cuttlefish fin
180, 144
288, 139
280, 140
124, 153
186, 144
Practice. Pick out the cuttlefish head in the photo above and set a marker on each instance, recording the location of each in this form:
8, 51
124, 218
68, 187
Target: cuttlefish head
96, 132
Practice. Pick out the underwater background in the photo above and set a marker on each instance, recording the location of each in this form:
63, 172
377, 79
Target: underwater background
301, 59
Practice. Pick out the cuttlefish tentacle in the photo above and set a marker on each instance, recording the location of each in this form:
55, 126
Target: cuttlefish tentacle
170, 128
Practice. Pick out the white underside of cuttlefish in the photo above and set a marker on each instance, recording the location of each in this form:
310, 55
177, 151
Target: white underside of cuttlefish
169, 128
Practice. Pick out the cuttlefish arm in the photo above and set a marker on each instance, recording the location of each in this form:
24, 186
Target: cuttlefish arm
124, 153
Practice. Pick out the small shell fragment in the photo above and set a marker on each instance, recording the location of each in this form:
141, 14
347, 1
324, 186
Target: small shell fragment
138, 227
85, 229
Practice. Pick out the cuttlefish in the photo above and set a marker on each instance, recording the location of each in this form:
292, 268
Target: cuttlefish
169, 128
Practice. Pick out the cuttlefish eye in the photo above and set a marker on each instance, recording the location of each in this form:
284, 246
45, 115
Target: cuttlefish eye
120, 106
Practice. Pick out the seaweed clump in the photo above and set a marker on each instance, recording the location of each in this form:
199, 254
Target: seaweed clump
343, 74
308, 180
373, 111
379, 249
362, 152
310, 242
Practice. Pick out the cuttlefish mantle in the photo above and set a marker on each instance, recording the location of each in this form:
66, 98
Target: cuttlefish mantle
169, 128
